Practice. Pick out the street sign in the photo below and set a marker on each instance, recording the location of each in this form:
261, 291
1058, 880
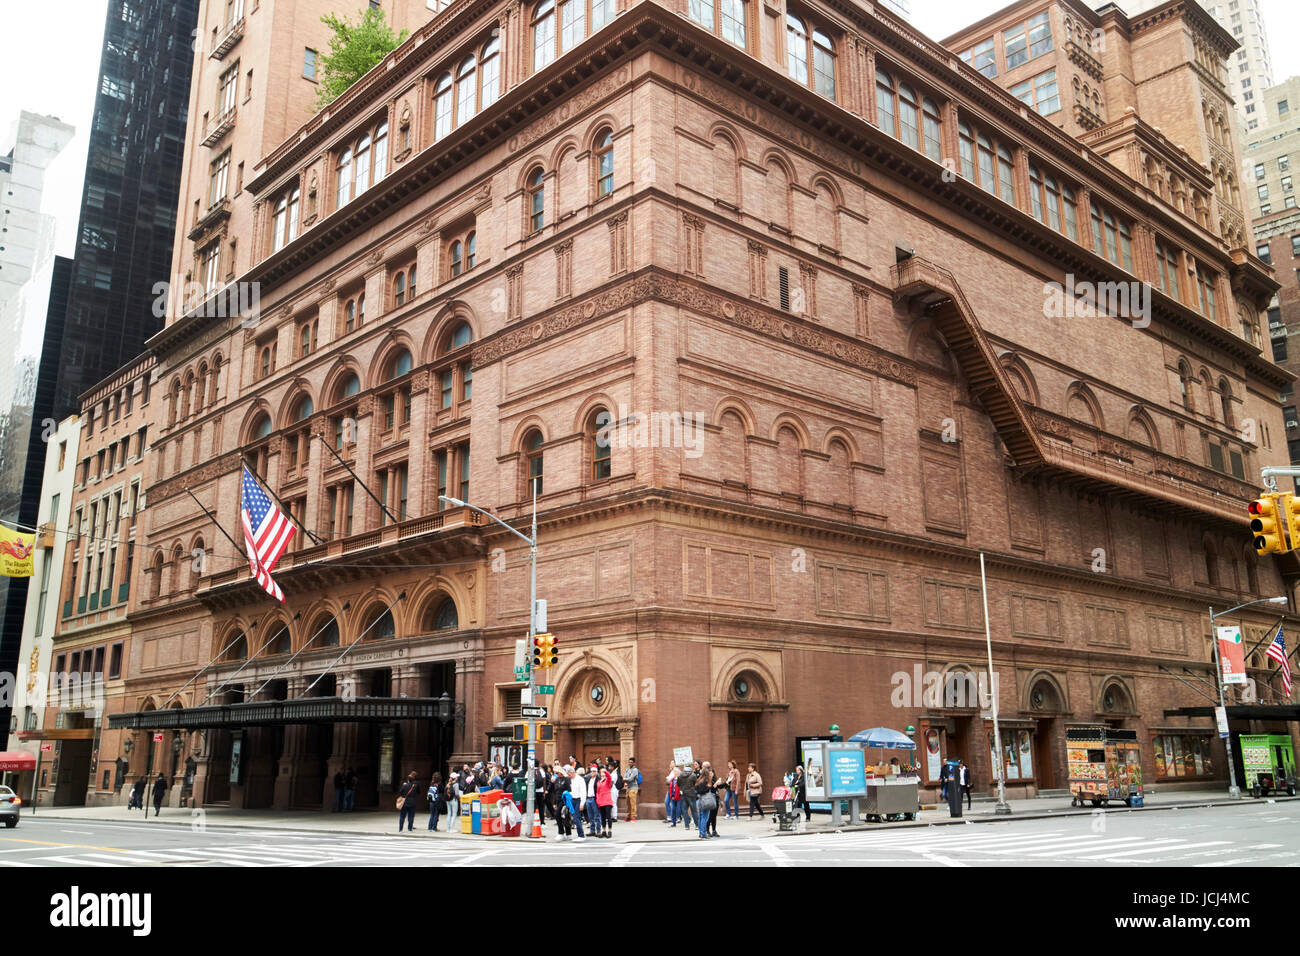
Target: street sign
45, 748
1221, 717
546, 688
157, 738
534, 713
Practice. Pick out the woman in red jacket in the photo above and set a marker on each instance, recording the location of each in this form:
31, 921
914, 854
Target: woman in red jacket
605, 801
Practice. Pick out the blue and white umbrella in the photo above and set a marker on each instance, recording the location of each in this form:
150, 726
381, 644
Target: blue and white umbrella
884, 737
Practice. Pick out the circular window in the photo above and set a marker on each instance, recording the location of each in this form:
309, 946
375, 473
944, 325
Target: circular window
597, 693
1037, 699
741, 688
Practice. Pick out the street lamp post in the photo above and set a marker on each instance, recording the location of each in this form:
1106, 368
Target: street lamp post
1234, 792
531, 540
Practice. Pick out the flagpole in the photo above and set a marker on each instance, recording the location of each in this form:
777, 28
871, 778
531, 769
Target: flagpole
266, 486
366, 487
220, 653
249, 661
236, 544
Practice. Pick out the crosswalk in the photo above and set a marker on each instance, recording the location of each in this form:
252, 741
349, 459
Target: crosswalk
355, 852
983, 845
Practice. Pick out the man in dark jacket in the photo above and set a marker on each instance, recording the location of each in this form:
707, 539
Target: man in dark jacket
159, 791
963, 780
339, 781
137, 794
799, 790
686, 780
407, 793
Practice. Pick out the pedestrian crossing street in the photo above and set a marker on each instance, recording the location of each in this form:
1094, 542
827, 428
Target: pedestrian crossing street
982, 845
355, 852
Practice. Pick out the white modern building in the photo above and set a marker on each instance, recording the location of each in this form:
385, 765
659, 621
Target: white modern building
42, 611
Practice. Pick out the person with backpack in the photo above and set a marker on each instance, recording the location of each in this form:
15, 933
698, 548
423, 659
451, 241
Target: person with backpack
406, 803
754, 790
451, 792
672, 798
632, 780
436, 800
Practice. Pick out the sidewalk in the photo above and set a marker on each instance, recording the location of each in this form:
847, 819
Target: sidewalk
373, 822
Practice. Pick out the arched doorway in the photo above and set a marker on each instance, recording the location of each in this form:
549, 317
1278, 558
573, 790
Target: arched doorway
1045, 702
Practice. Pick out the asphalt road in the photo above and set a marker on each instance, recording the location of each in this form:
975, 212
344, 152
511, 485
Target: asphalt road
1255, 834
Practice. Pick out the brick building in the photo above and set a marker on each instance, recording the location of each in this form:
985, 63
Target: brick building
91, 645
759, 301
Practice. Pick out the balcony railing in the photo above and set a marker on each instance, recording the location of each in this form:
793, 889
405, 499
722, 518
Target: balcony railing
222, 125
226, 42
218, 211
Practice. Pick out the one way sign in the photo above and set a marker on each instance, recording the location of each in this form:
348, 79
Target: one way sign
534, 713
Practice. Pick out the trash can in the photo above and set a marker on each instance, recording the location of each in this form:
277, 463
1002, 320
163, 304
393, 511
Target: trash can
783, 809
466, 812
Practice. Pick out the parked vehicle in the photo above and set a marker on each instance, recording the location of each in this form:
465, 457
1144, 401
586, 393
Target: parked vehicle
10, 805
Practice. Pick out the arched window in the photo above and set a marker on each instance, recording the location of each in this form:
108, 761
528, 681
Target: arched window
303, 409
379, 625
442, 103
261, 428
280, 642
1185, 385
907, 116
460, 336
604, 164
457, 257
237, 648
1225, 401
350, 315
344, 180
284, 220
536, 199
533, 457
885, 102
347, 388
598, 434
823, 65
573, 23
327, 633
931, 128
410, 284
796, 42
267, 366
399, 289
490, 73
379, 159
470, 246
966, 140
466, 90
1211, 564
442, 616
398, 365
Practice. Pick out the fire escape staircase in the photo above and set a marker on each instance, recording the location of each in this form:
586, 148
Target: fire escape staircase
1032, 454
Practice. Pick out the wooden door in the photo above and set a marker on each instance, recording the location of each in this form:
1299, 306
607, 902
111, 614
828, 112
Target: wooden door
741, 743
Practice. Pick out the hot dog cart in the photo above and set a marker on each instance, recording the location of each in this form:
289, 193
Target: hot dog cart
1104, 765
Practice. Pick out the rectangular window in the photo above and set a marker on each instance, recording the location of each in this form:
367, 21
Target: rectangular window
1259, 171
1182, 755
446, 381
210, 267
115, 662
1030, 39
464, 472
1262, 191
226, 97
309, 63
1295, 245
1286, 184
442, 478
1265, 253
466, 382
982, 57
1041, 92
218, 173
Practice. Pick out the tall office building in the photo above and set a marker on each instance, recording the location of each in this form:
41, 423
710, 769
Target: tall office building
102, 318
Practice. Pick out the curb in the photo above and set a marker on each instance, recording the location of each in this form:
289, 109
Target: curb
1032, 815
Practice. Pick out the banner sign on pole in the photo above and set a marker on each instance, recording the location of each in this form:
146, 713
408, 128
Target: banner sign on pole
1232, 655
1221, 716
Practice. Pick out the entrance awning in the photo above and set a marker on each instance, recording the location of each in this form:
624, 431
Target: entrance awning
264, 713
17, 760
1243, 712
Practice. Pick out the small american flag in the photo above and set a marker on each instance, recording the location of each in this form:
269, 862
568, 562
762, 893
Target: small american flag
1277, 651
266, 533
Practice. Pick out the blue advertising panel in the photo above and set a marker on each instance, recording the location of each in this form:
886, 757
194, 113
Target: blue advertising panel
846, 772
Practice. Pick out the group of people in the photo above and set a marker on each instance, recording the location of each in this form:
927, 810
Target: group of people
697, 795
569, 794
136, 802
958, 776
345, 791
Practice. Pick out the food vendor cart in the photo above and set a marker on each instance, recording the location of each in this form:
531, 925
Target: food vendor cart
1104, 765
1268, 761
893, 790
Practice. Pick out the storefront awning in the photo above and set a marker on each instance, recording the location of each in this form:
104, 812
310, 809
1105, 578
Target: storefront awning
262, 713
1243, 712
17, 760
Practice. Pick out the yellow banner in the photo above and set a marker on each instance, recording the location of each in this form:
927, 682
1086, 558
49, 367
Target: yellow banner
16, 549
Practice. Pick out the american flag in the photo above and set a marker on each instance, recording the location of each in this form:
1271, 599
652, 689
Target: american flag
266, 533
1277, 651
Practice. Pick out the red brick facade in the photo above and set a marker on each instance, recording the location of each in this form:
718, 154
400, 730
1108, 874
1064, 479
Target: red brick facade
882, 389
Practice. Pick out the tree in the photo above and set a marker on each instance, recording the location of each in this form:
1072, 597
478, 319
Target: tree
354, 50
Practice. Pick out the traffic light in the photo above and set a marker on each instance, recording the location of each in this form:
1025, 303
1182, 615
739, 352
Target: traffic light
544, 650
545, 732
1289, 505
1266, 522
521, 732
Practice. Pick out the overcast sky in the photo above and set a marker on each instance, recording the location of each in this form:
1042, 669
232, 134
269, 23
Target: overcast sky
34, 78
